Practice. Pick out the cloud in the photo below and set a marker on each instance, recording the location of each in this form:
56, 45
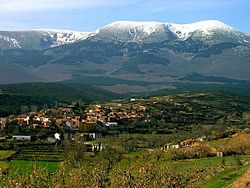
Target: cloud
17, 6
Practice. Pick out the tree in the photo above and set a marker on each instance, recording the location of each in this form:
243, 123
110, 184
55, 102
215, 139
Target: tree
24, 109
33, 108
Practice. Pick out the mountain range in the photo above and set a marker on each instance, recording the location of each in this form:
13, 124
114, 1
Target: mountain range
124, 51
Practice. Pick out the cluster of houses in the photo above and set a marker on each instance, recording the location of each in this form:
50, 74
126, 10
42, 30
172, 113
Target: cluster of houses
184, 143
66, 117
198, 142
110, 116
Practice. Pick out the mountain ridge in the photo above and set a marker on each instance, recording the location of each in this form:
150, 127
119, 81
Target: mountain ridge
135, 51
124, 31
39, 39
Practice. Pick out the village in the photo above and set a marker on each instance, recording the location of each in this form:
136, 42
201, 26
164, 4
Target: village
173, 129
65, 118
160, 115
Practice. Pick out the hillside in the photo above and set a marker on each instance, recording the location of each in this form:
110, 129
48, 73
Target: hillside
93, 89
44, 95
134, 51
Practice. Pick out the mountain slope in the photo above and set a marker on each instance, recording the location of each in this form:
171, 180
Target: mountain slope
12, 73
137, 51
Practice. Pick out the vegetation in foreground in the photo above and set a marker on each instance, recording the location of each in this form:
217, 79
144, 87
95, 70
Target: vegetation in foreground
124, 164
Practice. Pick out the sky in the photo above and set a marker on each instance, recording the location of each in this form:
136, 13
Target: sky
89, 15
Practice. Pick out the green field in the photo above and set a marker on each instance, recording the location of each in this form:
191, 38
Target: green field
17, 168
226, 177
21, 167
204, 172
142, 166
217, 173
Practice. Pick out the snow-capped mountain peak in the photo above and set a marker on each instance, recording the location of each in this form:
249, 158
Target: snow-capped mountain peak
146, 27
139, 31
211, 31
130, 31
183, 31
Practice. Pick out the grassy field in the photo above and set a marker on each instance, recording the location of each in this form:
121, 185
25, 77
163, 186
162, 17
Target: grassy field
220, 172
235, 140
213, 171
226, 177
21, 167
143, 165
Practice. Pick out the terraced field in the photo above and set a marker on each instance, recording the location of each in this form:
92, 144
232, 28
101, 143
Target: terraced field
38, 153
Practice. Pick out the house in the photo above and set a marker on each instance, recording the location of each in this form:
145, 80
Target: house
77, 121
220, 154
111, 124
176, 146
27, 120
94, 147
2, 123
88, 136
201, 139
66, 110
51, 139
170, 146
166, 146
187, 142
2, 138
57, 136
97, 147
21, 138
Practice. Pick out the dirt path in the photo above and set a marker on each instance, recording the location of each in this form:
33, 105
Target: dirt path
243, 181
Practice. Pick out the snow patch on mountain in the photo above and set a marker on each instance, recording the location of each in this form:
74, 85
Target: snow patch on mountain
13, 42
61, 37
132, 27
127, 31
183, 31
124, 31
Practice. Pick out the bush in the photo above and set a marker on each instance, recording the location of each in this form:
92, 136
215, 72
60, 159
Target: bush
191, 152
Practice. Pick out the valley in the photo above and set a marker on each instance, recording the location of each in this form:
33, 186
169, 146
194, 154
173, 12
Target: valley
131, 104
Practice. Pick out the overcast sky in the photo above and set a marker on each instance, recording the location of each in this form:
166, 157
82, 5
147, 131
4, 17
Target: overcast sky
89, 15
